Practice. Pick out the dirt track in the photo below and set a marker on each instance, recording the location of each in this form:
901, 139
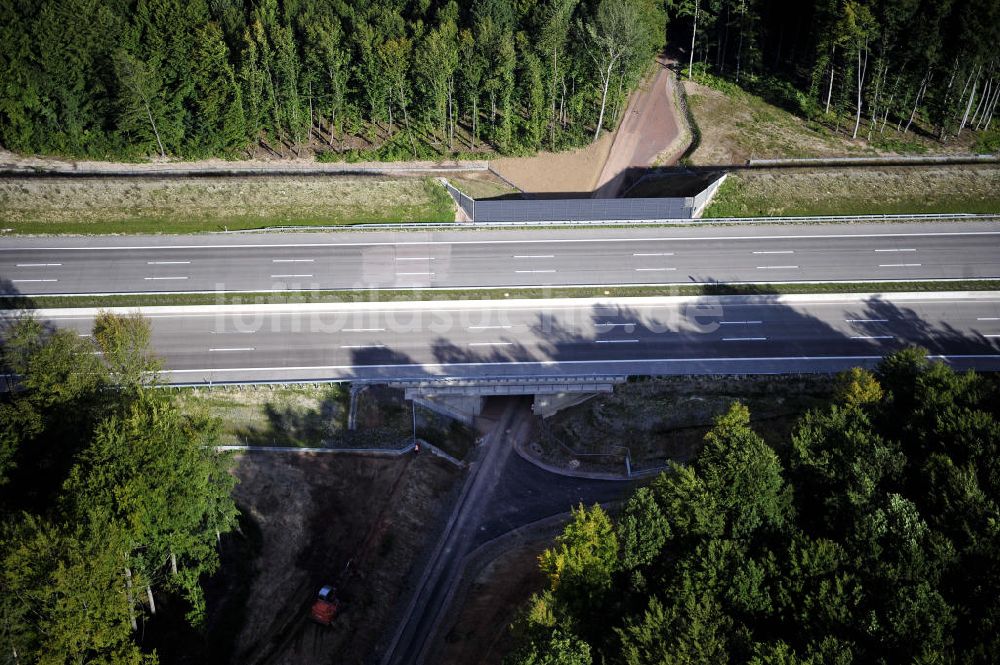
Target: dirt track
650, 128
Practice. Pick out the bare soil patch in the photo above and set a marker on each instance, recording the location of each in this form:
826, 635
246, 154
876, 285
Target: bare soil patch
575, 171
480, 632
357, 522
886, 190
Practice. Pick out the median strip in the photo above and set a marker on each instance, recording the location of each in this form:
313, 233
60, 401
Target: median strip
21, 302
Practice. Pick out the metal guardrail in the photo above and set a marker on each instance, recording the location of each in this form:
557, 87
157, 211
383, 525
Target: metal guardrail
876, 160
7, 380
427, 226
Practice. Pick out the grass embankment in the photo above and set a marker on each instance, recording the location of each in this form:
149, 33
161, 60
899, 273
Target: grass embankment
315, 416
190, 205
286, 415
300, 415
307, 297
667, 417
848, 191
481, 185
736, 125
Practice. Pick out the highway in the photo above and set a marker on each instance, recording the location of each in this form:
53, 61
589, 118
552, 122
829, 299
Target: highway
475, 259
560, 338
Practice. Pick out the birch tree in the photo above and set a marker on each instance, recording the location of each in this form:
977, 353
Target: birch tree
613, 33
140, 101
860, 29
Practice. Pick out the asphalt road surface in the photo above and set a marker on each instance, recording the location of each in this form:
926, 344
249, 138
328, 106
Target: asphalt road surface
757, 253
561, 338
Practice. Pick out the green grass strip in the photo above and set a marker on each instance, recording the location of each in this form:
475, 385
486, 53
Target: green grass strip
289, 297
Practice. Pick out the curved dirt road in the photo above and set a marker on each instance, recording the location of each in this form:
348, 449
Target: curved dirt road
650, 127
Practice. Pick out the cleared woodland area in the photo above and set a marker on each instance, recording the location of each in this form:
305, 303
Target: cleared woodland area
736, 125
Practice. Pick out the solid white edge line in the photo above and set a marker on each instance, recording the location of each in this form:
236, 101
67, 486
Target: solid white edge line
778, 251
899, 265
162, 278
362, 330
616, 341
777, 267
534, 256
866, 320
491, 343
36, 265
744, 339
243, 348
19, 281
872, 337
554, 363
363, 346
293, 260
288, 276
510, 242
166, 263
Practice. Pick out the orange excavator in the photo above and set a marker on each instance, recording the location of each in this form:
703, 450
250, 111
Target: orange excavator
326, 607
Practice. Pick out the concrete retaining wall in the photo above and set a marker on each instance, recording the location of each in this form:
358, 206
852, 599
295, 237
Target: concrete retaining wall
560, 210
488, 211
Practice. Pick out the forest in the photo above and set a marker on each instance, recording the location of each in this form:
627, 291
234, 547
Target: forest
856, 65
401, 79
408, 78
871, 536
111, 500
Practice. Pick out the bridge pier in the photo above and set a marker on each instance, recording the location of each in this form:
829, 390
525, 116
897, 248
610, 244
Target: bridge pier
462, 399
